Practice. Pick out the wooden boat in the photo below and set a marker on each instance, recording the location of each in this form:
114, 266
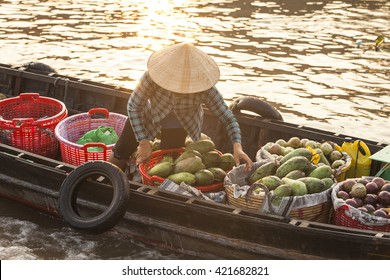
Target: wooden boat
199, 228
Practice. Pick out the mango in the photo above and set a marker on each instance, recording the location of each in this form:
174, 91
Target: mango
211, 159
202, 146
187, 154
204, 177
162, 169
167, 159
227, 162
191, 165
219, 173
186, 177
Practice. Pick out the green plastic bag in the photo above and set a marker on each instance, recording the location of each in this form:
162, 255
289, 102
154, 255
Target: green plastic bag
102, 134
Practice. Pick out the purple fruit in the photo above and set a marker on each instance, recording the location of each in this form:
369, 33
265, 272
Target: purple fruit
380, 213
370, 208
379, 181
370, 199
372, 187
351, 202
363, 181
359, 201
378, 206
363, 209
384, 198
386, 187
347, 185
343, 195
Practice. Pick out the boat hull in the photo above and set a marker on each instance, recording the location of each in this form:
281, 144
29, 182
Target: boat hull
197, 228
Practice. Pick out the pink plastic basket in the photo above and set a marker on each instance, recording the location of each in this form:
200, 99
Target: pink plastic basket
71, 129
28, 122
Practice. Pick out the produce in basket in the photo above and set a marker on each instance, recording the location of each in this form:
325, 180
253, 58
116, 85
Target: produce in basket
369, 195
362, 203
198, 164
293, 175
326, 153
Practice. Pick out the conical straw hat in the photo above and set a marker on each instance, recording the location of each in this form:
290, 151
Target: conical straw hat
183, 68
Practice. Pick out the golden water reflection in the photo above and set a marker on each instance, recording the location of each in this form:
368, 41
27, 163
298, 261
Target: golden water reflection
301, 56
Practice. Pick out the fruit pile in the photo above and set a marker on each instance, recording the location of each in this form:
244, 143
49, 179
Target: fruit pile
327, 152
370, 196
293, 176
199, 164
298, 166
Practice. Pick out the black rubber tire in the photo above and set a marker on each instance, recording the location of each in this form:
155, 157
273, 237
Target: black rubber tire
257, 106
114, 212
39, 66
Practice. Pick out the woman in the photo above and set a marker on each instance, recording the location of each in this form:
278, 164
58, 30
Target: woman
168, 101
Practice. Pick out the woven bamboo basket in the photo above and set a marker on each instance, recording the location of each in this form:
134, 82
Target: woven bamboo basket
342, 170
316, 213
237, 177
314, 207
251, 201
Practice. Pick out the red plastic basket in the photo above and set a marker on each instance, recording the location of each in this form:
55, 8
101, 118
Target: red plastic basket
28, 122
71, 129
348, 216
156, 158
341, 219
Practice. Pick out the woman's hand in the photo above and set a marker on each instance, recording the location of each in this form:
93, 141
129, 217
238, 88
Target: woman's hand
239, 155
144, 151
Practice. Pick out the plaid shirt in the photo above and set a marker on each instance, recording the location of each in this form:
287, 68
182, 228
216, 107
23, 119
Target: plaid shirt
149, 104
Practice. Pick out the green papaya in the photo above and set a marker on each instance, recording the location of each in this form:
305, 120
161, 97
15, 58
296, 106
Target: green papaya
328, 182
283, 190
266, 169
324, 171
295, 174
297, 152
298, 188
313, 185
295, 163
271, 182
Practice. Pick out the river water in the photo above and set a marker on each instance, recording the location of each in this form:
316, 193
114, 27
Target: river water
312, 60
